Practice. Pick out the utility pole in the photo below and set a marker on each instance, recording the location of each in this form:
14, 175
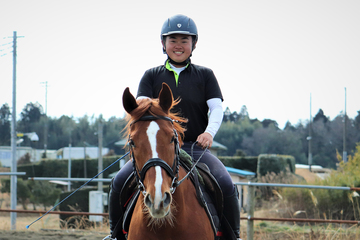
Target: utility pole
85, 170
100, 162
13, 181
344, 134
46, 120
309, 138
69, 161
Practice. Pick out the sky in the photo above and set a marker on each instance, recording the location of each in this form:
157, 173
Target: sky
269, 55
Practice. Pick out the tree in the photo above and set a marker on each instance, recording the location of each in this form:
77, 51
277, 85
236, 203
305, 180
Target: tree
24, 159
5, 125
228, 116
61, 132
229, 135
23, 192
321, 117
271, 140
357, 121
29, 117
289, 127
43, 193
31, 113
85, 132
269, 122
243, 113
263, 140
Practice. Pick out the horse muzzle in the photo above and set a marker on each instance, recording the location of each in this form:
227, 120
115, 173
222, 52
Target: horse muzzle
158, 207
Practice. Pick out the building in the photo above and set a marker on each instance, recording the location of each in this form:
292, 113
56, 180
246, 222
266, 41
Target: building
6, 154
80, 152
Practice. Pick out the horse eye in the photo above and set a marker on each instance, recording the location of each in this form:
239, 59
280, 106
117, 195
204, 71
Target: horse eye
131, 143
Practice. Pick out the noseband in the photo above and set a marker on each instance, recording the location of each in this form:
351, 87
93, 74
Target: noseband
171, 171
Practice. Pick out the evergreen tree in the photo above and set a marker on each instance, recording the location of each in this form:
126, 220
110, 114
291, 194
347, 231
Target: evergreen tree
5, 125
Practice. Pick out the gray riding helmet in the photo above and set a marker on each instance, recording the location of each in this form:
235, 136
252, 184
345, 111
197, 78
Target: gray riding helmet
179, 24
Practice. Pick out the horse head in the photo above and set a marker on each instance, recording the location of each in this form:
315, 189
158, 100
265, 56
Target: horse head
154, 138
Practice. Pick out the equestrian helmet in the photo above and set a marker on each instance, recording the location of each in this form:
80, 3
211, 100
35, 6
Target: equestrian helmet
179, 24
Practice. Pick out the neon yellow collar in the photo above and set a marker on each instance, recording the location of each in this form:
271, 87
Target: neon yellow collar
168, 67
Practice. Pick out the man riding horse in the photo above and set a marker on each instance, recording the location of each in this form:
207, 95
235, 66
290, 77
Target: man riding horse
200, 102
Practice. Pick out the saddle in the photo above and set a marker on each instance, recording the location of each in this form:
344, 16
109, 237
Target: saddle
208, 194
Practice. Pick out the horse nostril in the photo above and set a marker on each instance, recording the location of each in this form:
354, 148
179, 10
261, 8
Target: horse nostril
147, 200
167, 199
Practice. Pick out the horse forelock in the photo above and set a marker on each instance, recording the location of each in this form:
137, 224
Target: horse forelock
147, 106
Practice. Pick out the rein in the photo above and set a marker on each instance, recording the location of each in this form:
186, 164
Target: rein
140, 174
194, 165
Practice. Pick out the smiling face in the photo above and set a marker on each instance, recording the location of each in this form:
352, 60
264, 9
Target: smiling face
178, 47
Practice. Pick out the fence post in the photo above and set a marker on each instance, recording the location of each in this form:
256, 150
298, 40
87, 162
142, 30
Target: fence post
250, 211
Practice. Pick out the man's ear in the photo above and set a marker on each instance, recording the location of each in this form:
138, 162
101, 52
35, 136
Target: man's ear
163, 41
194, 45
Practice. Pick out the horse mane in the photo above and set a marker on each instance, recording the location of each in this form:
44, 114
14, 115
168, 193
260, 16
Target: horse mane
148, 106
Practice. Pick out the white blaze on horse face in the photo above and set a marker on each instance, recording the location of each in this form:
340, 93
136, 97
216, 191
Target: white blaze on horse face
151, 133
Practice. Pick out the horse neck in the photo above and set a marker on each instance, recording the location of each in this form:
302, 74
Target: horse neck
184, 192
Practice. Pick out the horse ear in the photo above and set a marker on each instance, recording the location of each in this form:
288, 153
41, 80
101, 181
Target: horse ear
129, 102
165, 98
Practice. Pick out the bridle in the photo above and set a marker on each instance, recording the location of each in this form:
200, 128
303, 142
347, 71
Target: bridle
173, 171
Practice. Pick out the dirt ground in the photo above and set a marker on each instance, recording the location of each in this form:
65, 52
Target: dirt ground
42, 235
310, 177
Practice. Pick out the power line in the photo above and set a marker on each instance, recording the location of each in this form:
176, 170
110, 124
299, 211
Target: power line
4, 54
6, 48
4, 44
11, 47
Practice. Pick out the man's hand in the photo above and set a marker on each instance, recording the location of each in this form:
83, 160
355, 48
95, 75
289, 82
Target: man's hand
205, 140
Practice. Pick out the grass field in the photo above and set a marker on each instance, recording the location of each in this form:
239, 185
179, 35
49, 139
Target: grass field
49, 226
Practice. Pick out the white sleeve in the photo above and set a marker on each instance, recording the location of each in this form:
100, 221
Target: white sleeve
141, 97
216, 115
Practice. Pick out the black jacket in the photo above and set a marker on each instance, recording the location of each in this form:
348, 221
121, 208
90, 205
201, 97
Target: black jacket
196, 85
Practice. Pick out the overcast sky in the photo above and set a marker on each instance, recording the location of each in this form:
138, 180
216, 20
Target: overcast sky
269, 55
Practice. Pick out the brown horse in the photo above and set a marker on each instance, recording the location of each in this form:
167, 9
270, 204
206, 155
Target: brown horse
166, 209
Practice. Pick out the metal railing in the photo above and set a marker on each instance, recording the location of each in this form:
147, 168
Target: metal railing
12, 173
251, 205
55, 212
250, 201
70, 179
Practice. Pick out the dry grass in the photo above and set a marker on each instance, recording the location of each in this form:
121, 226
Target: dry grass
50, 221
263, 230
310, 177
